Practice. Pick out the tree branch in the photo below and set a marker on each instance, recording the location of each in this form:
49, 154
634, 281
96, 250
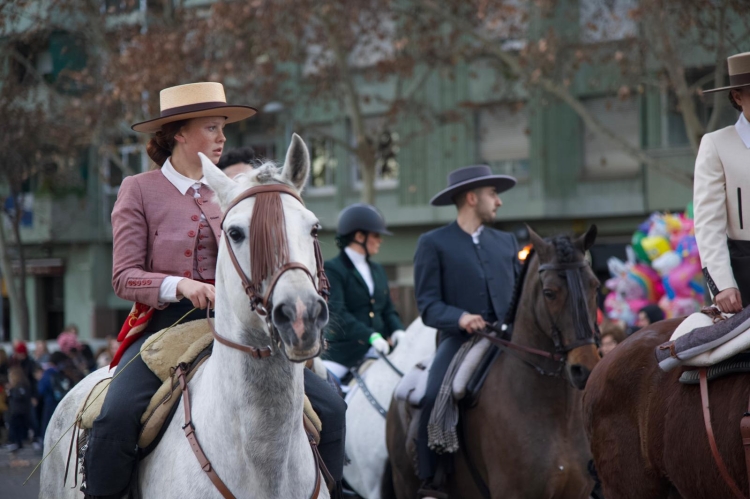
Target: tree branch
592, 123
718, 97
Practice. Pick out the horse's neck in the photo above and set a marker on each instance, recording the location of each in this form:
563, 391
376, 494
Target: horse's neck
249, 415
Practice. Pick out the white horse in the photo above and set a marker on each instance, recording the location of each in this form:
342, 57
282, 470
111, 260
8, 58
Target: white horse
365, 427
247, 412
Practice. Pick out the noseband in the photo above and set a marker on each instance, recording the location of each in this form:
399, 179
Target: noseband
261, 303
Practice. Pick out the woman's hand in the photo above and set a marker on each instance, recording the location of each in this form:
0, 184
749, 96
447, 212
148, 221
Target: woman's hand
199, 293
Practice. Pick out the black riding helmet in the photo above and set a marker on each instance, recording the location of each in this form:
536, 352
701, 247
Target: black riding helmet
359, 217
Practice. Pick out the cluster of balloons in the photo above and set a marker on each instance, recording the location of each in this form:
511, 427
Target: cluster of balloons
663, 267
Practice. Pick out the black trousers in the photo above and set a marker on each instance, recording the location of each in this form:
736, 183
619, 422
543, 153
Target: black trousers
739, 256
446, 350
113, 441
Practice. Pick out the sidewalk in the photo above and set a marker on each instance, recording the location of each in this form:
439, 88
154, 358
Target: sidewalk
14, 469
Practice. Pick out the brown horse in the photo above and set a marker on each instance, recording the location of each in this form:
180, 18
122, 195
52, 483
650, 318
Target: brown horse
525, 436
646, 429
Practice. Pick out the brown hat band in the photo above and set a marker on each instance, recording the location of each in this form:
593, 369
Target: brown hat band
191, 108
739, 79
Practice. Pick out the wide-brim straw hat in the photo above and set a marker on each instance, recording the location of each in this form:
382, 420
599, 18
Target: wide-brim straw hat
739, 73
471, 177
194, 100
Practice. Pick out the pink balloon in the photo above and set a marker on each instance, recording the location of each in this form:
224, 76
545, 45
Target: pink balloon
679, 279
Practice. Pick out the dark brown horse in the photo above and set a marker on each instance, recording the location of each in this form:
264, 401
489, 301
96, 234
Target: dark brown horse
646, 429
525, 435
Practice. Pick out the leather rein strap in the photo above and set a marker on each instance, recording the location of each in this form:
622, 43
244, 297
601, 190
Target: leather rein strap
744, 429
205, 464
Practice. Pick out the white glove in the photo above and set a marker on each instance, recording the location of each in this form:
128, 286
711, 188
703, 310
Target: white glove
379, 344
397, 336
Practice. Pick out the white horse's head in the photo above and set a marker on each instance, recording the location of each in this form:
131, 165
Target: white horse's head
282, 231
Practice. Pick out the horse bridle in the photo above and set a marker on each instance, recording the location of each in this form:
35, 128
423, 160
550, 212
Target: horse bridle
261, 303
560, 354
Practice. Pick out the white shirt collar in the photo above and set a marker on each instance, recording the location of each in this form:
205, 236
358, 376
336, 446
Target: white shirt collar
743, 129
476, 234
360, 263
180, 181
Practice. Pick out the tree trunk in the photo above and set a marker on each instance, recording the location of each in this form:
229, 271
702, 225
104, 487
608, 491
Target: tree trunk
16, 285
367, 165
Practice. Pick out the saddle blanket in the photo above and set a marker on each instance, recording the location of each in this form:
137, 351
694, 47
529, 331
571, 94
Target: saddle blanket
190, 343
413, 385
704, 339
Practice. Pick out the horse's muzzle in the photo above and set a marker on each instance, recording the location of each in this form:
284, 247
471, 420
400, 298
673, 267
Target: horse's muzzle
299, 325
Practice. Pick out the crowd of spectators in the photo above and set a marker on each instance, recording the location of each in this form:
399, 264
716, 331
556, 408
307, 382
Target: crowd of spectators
33, 383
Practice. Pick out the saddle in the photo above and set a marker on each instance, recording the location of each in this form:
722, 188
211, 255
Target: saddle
704, 339
188, 344
466, 387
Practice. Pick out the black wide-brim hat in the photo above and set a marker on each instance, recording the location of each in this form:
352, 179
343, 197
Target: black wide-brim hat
468, 178
194, 100
738, 67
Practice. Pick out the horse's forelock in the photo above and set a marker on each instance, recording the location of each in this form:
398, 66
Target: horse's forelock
566, 252
269, 249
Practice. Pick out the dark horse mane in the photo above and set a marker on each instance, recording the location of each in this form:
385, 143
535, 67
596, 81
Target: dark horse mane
269, 248
565, 252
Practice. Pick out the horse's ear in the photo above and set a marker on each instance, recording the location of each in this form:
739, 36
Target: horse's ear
222, 185
587, 239
297, 164
542, 247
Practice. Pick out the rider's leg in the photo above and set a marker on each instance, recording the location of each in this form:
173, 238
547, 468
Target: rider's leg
113, 440
447, 348
331, 409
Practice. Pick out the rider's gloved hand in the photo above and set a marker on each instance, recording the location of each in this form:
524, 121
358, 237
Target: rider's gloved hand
379, 344
397, 336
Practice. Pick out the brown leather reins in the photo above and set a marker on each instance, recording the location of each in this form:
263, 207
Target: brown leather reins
261, 304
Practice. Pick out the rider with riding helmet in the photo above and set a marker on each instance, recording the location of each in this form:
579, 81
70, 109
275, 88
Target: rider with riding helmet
166, 230
362, 313
464, 274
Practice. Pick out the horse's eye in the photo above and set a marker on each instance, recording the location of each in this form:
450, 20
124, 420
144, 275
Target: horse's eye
549, 294
236, 235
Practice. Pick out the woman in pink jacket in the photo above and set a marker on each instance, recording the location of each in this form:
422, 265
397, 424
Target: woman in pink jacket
165, 241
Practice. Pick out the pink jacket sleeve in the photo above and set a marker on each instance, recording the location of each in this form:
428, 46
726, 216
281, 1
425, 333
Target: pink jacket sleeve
130, 234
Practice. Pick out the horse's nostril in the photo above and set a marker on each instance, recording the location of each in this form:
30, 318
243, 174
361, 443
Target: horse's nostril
283, 314
579, 374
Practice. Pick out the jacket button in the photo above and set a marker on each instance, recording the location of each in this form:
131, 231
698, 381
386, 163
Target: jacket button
201, 226
194, 218
372, 314
187, 273
203, 269
199, 201
188, 252
148, 281
130, 283
372, 300
191, 233
200, 248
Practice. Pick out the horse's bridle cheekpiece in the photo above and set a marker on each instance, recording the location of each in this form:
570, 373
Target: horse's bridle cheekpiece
261, 303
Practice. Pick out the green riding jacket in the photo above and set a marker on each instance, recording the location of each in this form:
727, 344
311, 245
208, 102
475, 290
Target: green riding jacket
354, 314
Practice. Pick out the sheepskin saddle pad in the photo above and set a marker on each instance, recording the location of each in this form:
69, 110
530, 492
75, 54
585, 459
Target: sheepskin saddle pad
190, 343
468, 379
705, 339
